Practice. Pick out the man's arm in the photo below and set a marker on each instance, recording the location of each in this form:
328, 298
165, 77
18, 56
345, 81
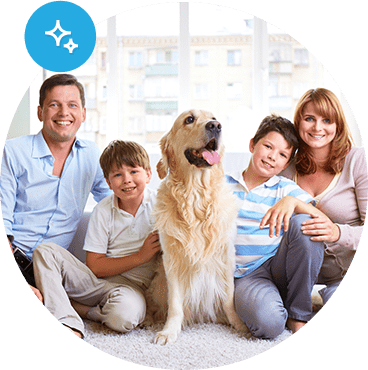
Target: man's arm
8, 190
99, 188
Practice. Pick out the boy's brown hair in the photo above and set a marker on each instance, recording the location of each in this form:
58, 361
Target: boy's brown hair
281, 125
120, 152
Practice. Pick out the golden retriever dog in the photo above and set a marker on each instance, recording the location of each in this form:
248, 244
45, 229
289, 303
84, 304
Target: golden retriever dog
195, 214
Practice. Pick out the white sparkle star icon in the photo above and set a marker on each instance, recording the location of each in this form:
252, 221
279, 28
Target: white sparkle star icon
70, 46
57, 28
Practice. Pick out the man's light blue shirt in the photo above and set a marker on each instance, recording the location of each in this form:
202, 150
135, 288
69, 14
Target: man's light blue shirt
39, 207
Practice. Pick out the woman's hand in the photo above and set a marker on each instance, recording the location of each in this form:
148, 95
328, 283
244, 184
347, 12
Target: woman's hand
322, 228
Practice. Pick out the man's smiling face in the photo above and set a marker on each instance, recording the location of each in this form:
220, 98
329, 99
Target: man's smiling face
62, 113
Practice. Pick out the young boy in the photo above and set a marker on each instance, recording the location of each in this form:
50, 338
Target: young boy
120, 245
274, 276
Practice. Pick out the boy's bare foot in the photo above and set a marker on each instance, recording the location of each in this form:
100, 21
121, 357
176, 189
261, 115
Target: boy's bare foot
294, 325
82, 310
74, 331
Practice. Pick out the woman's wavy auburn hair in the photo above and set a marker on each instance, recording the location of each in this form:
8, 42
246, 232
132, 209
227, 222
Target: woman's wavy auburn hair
328, 106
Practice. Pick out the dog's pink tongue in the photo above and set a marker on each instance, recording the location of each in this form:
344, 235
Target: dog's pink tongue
211, 157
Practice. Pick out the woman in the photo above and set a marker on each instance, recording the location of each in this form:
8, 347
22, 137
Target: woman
334, 172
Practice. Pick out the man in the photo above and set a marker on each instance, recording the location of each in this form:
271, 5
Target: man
46, 178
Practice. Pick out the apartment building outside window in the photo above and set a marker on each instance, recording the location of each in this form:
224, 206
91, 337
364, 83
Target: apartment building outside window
201, 91
135, 59
234, 57
220, 73
201, 58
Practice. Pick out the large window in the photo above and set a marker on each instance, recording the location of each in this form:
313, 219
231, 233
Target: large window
151, 62
135, 59
201, 58
234, 57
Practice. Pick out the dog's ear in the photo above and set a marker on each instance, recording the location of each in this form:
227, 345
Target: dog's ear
163, 164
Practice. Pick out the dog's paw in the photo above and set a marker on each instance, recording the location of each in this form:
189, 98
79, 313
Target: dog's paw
246, 333
241, 328
148, 321
164, 337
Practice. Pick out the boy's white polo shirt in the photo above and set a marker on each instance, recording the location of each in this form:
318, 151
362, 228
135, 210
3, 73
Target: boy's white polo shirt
116, 233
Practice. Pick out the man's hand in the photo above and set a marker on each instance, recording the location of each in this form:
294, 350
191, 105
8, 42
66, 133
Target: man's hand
37, 293
11, 247
35, 290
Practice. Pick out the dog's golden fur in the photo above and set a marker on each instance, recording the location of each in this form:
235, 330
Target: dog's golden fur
195, 215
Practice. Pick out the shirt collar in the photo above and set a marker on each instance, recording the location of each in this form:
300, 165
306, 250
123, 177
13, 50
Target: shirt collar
40, 148
146, 199
272, 181
238, 176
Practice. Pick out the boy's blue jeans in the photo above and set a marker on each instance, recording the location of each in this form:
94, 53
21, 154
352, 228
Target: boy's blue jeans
282, 286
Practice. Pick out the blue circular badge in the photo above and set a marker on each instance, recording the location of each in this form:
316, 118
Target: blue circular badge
60, 36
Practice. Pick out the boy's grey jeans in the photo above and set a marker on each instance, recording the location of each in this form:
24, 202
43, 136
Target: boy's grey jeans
282, 286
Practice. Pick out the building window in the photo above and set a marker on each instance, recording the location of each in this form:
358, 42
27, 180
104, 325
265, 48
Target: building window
158, 122
160, 57
301, 57
104, 93
201, 58
135, 59
161, 87
103, 60
135, 92
299, 88
201, 91
234, 90
171, 56
280, 52
234, 57
136, 126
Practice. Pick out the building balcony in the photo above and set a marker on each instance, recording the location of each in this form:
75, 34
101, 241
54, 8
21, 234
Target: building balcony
162, 70
165, 105
281, 67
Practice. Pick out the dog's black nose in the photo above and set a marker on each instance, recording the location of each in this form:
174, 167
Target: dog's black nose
213, 126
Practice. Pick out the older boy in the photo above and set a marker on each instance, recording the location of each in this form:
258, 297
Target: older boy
120, 245
274, 276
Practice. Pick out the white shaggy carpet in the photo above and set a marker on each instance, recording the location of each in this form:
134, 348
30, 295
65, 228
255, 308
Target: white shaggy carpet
201, 346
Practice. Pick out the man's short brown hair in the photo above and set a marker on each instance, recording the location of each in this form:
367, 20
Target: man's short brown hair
120, 152
62, 79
